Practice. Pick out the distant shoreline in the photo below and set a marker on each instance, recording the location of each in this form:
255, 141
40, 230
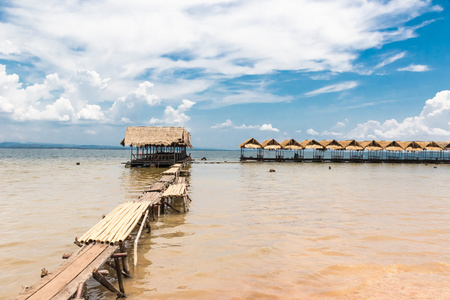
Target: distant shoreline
16, 145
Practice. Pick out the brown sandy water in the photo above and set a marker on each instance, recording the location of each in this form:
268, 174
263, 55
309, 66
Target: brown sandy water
357, 231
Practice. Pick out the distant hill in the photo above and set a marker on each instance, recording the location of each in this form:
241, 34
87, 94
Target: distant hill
54, 146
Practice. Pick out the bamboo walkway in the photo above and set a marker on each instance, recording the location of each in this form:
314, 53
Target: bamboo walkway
99, 244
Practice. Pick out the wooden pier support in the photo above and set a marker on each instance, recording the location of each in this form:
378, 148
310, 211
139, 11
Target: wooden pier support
102, 280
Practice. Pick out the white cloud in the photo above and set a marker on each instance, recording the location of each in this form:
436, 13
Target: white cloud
340, 124
7, 48
136, 41
268, 127
415, 68
311, 132
391, 59
173, 116
91, 112
263, 127
331, 133
432, 122
5, 106
226, 124
298, 131
334, 88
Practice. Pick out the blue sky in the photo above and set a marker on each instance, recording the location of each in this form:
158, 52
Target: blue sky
80, 72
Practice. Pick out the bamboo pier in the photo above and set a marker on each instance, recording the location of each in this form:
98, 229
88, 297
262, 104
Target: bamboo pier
105, 243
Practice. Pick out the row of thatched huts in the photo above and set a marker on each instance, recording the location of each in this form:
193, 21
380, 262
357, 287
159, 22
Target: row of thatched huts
347, 150
353, 145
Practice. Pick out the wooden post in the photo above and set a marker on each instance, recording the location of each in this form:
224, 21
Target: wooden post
102, 280
126, 266
119, 274
79, 293
184, 203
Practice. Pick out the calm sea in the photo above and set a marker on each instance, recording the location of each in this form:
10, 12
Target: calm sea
355, 231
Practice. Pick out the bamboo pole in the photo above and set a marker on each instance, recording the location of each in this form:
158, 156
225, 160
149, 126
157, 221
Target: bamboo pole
136, 241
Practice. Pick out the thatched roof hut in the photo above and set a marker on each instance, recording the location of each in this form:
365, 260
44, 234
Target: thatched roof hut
412, 146
331, 145
430, 146
351, 145
271, 144
444, 145
312, 144
393, 146
251, 144
291, 145
157, 136
371, 145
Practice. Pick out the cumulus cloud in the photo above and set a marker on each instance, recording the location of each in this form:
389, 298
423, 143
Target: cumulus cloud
334, 88
173, 116
432, 122
91, 112
134, 105
226, 124
311, 132
415, 68
229, 124
302, 35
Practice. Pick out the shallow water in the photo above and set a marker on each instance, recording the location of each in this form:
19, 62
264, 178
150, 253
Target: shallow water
371, 231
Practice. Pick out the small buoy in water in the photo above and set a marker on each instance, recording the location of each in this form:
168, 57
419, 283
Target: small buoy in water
271, 170
78, 163
203, 158
329, 167
435, 167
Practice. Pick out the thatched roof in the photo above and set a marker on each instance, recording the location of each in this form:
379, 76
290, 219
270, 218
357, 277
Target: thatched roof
270, 144
393, 146
413, 146
430, 146
331, 145
371, 145
444, 145
351, 145
312, 144
251, 143
157, 136
291, 145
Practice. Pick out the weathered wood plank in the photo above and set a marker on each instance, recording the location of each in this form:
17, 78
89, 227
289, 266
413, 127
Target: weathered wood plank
58, 282
43, 281
85, 274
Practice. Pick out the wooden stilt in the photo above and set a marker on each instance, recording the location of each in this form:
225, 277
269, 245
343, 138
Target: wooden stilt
126, 266
184, 204
119, 274
153, 212
102, 280
79, 292
147, 222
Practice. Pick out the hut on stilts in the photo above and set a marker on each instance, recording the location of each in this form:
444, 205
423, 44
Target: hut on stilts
157, 146
355, 148
254, 145
336, 149
317, 148
293, 145
271, 145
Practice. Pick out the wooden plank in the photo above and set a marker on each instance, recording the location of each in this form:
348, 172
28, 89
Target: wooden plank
43, 281
58, 282
152, 197
84, 275
181, 180
167, 178
157, 186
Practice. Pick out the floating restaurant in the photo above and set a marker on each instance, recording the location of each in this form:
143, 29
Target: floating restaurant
157, 146
346, 151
